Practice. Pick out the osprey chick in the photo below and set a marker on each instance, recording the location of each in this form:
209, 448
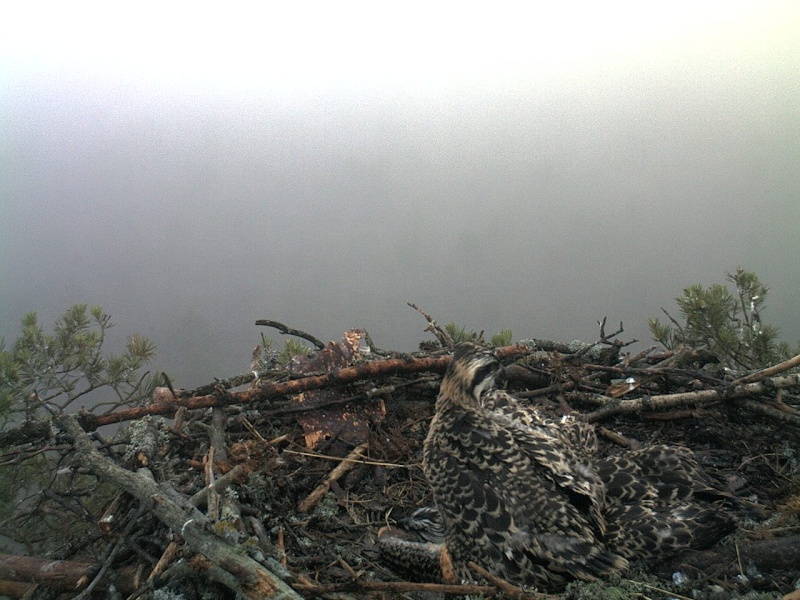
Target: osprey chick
526, 498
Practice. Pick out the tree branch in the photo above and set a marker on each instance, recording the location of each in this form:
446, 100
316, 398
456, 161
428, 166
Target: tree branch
254, 580
289, 331
770, 371
269, 390
652, 403
59, 574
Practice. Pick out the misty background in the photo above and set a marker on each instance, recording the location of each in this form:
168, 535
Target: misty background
193, 171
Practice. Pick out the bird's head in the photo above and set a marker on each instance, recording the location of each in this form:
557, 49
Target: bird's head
471, 372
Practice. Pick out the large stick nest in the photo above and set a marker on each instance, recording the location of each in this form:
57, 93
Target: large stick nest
275, 483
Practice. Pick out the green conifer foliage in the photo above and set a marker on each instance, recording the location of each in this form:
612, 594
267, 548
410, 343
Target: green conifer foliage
47, 373
726, 323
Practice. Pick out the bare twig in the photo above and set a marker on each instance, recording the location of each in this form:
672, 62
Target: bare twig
652, 372
395, 587
219, 484
348, 458
166, 558
371, 393
630, 360
289, 331
511, 591
253, 580
282, 546
678, 326
546, 391
769, 371
444, 338
168, 383
343, 467
604, 339
769, 411
113, 551
658, 589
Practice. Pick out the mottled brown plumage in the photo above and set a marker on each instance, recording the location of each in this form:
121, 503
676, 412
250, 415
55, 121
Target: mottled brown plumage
527, 498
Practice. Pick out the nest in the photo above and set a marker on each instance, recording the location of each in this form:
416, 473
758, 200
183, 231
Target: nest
275, 483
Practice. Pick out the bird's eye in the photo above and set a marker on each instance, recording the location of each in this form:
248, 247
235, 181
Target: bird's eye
482, 374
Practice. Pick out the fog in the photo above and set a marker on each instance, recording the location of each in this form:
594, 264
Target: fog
540, 188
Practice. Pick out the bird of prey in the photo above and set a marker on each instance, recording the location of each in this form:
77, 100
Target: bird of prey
528, 499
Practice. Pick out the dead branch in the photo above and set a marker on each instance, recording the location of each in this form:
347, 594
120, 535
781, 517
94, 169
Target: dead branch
769, 411
617, 438
550, 389
146, 443
641, 355
270, 390
367, 395
769, 371
166, 559
614, 406
219, 484
444, 339
509, 590
681, 356
59, 574
289, 331
549, 346
397, 587
111, 553
168, 405
604, 339
651, 372
343, 467
254, 580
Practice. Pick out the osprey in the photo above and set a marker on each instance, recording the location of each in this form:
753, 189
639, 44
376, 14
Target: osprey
528, 499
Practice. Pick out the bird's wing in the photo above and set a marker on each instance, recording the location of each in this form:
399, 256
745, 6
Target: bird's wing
581, 436
652, 498
558, 460
512, 495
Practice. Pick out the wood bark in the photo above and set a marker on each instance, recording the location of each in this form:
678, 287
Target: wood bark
269, 390
63, 575
615, 406
255, 581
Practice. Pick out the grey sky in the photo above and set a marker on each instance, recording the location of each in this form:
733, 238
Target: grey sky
193, 172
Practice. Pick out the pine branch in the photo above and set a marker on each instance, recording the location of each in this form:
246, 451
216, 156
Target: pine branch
613, 406
254, 580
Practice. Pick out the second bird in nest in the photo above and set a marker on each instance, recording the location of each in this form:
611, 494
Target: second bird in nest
527, 498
